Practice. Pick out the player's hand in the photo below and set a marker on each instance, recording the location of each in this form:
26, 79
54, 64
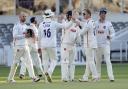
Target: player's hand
77, 23
39, 50
61, 17
74, 18
26, 35
72, 30
108, 37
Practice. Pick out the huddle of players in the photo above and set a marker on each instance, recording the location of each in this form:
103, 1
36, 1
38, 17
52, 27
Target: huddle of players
28, 44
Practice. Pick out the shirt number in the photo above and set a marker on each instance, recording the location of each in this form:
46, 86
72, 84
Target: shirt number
47, 33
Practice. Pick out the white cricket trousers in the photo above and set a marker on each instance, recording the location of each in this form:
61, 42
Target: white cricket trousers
90, 64
49, 60
67, 62
36, 61
18, 53
104, 51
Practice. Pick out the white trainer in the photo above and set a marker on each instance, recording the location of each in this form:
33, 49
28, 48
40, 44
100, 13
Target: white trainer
11, 81
36, 79
95, 79
83, 80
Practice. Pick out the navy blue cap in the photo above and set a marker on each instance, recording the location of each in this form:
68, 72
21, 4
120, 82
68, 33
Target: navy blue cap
32, 19
103, 9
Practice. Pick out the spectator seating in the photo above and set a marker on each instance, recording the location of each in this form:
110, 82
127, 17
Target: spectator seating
119, 25
6, 33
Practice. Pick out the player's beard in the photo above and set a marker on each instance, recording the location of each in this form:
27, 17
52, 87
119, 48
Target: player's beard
23, 20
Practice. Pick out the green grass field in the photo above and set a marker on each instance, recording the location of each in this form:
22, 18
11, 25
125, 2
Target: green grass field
120, 72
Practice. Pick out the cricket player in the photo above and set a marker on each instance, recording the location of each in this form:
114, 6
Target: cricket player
47, 41
90, 44
104, 34
20, 47
33, 48
69, 39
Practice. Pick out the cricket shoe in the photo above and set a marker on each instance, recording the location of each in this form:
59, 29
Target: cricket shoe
95, 79
11, 81
40, 75
36, 79
112, 80
72, 80
48, 77
21, 76
83, 80
65, 80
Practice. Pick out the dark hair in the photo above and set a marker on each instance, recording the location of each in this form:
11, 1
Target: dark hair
103, 9
88, 11
32, 19
69, 13
101, 12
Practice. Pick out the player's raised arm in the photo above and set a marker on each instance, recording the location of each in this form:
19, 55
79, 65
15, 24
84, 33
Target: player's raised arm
39, 36
71, 17
87, 25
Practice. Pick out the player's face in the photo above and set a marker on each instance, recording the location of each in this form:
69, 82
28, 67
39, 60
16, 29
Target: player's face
86, 15
35, 21
69, 17
22, 18
102, 15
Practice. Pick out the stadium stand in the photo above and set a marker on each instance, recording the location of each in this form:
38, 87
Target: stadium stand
6, 33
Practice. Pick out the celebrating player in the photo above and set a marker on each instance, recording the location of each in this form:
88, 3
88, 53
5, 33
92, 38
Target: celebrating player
69, 39
90, 44
104, 34
47, 41
20, 47
33, 48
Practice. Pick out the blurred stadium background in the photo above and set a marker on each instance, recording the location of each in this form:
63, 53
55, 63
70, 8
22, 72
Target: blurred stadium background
117, 13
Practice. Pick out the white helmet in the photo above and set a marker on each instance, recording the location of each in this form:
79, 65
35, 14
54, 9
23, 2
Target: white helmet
48, 13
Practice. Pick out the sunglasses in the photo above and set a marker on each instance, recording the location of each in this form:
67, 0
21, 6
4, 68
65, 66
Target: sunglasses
23, 16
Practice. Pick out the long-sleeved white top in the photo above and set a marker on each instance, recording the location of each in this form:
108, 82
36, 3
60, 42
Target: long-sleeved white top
88, 33
47, 32
71, 35
19, 39
33, 41
102, 31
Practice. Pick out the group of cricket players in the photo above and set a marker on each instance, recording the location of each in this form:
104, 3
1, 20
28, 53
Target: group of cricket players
97, 36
